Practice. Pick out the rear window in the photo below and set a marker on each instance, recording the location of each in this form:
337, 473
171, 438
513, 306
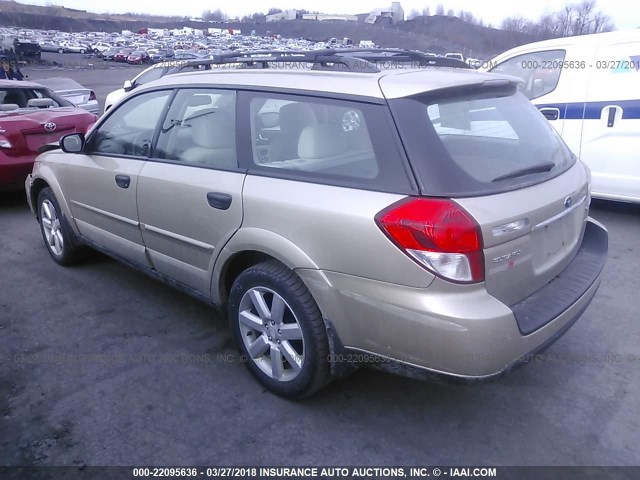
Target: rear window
479, 143
21, 96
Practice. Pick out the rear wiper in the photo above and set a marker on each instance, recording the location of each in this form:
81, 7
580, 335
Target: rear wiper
540, 168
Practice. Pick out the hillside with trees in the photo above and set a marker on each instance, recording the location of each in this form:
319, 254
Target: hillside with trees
442, 30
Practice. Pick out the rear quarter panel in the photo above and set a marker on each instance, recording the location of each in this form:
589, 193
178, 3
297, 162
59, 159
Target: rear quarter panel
307, 225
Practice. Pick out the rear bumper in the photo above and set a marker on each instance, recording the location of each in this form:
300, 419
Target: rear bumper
14, 170
454, 330
91, 107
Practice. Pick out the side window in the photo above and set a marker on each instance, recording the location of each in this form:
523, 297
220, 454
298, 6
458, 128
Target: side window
314, 138
153, 74
539, 70
200, 129
129, 129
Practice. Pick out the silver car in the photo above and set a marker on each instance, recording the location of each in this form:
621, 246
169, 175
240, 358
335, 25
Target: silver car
75, 93
426, 221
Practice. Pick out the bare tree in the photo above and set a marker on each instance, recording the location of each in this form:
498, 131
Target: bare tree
426, 12
574, 19
514, 24
413, 14
451, 13
439, 9
215, 16
601, 23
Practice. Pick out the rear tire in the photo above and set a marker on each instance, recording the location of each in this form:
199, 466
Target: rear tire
279, 330
62, 244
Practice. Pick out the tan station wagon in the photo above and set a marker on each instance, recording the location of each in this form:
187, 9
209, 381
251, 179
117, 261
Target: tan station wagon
424, 220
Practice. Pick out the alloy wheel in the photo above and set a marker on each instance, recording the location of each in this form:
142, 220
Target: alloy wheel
271, 334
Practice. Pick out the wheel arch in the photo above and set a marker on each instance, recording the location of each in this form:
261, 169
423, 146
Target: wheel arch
46, 178
248, 247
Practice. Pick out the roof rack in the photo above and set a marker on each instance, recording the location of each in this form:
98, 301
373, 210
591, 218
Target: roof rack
360, 60
376, 55
319, 59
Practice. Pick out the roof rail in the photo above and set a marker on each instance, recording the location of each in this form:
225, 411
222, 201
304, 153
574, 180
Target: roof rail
319, 59
360, 60
376, 55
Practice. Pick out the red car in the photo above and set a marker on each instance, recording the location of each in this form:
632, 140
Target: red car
138, 57
122, 55
31, 116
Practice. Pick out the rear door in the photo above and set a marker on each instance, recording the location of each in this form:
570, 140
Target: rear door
101, 182
190, 191
610, 133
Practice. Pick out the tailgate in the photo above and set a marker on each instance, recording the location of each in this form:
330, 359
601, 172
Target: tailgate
530, 235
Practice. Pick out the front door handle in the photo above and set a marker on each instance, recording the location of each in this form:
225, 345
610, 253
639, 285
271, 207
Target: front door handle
550, 113
221, 201
123, 181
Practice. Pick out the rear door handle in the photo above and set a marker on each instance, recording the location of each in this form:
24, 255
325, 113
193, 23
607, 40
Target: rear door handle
550, 113
221, 201
123, 181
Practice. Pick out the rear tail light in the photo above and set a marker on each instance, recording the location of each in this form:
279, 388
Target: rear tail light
92, 96
439, 235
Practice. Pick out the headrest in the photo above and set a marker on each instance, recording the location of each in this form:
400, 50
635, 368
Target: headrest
295, 116
199, 100
40, 102
320, 141
215, 130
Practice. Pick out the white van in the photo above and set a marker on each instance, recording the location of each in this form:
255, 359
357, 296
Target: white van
588, 87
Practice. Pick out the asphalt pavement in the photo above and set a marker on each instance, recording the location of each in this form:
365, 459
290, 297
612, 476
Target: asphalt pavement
101, 365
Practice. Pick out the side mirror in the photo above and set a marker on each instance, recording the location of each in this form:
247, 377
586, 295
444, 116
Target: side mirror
72, 143
128, 85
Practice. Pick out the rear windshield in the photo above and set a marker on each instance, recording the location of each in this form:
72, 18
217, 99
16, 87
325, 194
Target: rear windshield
21, 96
479, 143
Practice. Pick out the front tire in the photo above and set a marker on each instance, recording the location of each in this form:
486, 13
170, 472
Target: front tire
62, 244
279, 330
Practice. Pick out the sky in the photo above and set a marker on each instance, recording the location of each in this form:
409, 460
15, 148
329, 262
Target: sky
624, 13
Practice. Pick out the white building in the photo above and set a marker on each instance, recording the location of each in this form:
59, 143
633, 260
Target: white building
391, 15
329, 16
285, 15
184, 31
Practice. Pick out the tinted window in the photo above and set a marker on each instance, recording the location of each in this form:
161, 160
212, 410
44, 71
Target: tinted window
480, 143
329, 141
539, 70
129, 129
200, 129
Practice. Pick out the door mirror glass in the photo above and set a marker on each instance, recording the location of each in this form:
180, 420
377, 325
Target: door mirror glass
72, 143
